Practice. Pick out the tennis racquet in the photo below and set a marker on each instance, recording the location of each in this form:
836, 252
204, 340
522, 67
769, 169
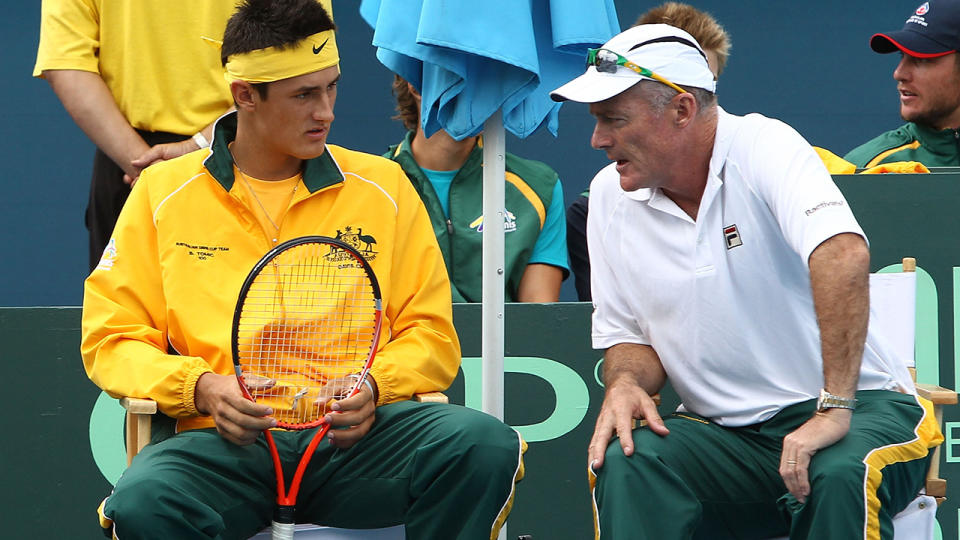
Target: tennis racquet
305, 332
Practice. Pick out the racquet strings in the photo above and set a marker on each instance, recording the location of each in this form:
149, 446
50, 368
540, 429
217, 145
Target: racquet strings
306, 327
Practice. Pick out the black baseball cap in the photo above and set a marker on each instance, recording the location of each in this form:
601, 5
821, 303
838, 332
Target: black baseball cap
933, 29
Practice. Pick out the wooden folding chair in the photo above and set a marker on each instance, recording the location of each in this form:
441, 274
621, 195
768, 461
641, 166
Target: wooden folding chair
893, 312
900, 320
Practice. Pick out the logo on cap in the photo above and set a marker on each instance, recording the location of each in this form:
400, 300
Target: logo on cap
923, 9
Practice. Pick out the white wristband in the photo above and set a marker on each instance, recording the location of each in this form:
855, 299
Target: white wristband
201, 141
366, 381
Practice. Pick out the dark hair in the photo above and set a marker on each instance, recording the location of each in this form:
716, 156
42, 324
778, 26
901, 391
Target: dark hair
260, 24
408, 111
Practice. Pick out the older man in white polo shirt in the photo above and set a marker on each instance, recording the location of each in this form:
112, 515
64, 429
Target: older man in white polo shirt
724, 257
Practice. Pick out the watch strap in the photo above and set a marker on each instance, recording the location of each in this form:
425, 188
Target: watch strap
833, 401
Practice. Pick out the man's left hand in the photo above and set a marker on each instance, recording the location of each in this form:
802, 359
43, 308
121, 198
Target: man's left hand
352, 417
821, 431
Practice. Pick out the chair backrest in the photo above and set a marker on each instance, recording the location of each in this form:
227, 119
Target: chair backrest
892, 316
893, 301
893, 308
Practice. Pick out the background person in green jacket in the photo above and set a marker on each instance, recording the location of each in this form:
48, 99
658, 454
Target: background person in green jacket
448, 175
928, 82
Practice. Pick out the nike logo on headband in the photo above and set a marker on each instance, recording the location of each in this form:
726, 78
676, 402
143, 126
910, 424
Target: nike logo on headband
316, 50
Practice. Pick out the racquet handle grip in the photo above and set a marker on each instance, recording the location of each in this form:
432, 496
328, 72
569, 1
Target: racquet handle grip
283, 522
282, 531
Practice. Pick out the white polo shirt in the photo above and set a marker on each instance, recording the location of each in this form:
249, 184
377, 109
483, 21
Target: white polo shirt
725, 300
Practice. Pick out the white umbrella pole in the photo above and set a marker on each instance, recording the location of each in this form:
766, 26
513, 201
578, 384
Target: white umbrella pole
494, 159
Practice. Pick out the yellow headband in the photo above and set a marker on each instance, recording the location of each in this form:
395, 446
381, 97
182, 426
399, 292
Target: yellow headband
312, 53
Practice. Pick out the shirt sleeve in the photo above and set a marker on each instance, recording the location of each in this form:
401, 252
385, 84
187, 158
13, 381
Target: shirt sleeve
792, 179
613, 320
124, 339
551, 245
69, 36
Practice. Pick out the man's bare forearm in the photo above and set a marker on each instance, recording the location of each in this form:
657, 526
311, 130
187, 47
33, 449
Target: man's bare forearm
634, 363
91, 105
540, 283
839, 276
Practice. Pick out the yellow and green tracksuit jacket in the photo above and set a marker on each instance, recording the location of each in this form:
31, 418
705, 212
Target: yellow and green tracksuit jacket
909, 142
527, 196
158, 309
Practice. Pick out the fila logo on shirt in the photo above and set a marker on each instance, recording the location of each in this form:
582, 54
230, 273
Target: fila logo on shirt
732, 236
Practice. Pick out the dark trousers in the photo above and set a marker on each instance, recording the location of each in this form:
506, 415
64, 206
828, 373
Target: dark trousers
577, 246
108, 193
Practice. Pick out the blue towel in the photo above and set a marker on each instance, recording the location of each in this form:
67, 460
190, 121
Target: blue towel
469, 59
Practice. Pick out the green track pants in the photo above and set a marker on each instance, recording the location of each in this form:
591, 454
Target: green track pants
706, 481
442, 470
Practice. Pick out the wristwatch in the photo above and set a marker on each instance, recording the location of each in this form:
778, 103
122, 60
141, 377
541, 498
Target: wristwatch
831, 401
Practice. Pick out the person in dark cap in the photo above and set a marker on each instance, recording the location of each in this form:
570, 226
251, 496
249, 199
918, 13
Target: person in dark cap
928, 82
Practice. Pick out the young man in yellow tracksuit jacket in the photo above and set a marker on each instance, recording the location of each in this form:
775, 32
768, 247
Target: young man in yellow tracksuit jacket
158, 310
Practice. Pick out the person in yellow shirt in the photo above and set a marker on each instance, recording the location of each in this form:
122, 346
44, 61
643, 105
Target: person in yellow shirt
158, 307
139, 81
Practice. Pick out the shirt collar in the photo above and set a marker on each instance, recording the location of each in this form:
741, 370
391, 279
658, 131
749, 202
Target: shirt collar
938, 141
318, 173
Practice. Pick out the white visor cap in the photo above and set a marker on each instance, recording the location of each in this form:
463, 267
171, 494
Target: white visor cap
663, 49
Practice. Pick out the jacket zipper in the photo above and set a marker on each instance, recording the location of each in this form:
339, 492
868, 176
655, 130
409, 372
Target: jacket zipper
956, 139
450, 248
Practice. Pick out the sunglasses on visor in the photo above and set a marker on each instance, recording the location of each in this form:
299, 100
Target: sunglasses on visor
607, 61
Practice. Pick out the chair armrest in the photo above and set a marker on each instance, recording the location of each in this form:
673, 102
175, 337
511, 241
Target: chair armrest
937, 394
431, 397
138, 405
139, 422
936, 486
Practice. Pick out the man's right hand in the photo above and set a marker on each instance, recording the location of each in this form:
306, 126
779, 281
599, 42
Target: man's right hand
624, 401
156, 154
238, 419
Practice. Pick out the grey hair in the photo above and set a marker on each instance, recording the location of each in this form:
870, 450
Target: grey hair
659, 95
